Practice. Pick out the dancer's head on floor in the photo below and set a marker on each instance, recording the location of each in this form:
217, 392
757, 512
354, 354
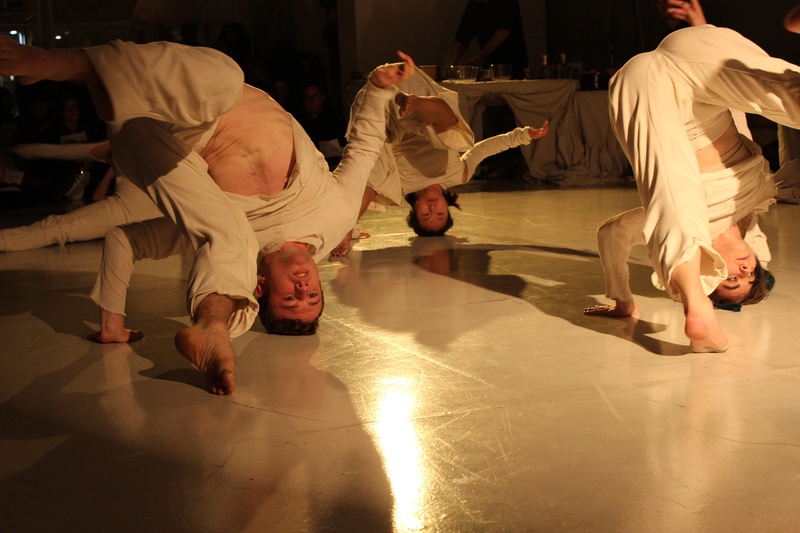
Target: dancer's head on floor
430, 211
289, 293
747, 283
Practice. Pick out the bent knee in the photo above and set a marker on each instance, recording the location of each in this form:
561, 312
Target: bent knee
116, 240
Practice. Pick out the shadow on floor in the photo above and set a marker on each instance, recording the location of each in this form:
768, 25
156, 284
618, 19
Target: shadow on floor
293, 436
560, 282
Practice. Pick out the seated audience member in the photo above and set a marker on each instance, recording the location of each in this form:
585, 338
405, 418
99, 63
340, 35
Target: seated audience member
281, 91
36, 118
9, 120
54, 178
324, 124
77, 125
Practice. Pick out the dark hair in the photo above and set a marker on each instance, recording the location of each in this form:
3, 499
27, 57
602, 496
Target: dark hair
452, 201
286, 326
762, 285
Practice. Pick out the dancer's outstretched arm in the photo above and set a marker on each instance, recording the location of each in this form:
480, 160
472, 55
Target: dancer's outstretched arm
30, 64
98, 151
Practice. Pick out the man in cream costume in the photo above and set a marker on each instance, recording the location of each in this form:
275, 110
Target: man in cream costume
184, 128
701, 183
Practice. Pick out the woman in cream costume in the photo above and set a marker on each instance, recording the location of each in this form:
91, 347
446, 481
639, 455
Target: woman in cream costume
429, 148
701, 183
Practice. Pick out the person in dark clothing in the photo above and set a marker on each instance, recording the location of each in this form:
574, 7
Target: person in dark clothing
324, 123
497, 26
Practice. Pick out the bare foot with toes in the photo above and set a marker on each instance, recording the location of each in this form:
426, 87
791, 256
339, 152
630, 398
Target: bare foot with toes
113, 330
210, 350
704, 330
124, 336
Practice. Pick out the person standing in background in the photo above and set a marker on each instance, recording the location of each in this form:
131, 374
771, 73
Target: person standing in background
497, 26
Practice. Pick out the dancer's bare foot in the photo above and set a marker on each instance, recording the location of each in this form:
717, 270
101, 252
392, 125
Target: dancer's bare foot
406, 102
113, 330
619, 310
125, 336
208, 347
704, 330
702, 326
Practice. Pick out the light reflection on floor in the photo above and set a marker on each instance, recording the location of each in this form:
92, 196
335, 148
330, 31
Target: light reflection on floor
398, 442
454, 386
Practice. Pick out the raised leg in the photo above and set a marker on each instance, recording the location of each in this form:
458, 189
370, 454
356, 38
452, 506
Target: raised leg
702, 326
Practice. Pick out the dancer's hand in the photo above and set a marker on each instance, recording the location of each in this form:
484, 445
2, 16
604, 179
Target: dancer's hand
19, 61
690, 12
389, 74
22, 150
538, 133
344, 247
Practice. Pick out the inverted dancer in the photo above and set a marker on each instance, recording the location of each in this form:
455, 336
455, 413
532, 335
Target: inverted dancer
429, 148
184, 129
701, 183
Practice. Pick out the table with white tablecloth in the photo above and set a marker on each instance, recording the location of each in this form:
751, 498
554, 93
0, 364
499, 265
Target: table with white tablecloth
579, 150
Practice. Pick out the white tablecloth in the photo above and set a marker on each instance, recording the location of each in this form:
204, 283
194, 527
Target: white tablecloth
579, 150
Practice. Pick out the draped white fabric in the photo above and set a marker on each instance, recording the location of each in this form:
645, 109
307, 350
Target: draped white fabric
580, 149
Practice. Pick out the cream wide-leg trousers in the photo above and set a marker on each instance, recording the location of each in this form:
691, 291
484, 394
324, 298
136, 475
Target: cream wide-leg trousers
650, 102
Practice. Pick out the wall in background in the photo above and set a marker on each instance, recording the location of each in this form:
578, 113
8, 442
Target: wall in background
606, 33
372, 30
602, 34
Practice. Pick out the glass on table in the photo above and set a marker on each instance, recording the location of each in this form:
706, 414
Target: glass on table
501, 72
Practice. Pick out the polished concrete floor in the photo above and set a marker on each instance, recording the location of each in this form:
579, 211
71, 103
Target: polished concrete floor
454, 386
